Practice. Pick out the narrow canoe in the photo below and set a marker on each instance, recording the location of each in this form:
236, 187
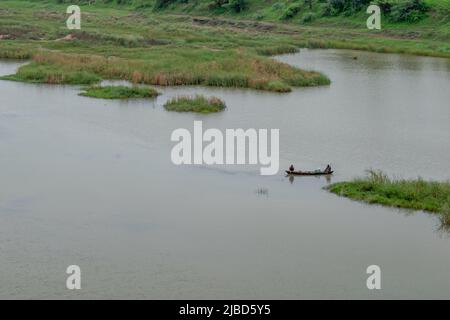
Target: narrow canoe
308, 173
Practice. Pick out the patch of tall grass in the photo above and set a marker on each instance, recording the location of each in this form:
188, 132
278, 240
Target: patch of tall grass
127, 41
237, 69
43, 73
277, 50
378, 188
9, 52
119, 92
196, 103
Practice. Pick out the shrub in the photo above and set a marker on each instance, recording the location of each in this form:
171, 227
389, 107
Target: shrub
291, 11
161, 4
326, 9
259, 16
347, 6
237, 5
409, 11
385, 6
337, 6
309, 17
233, 5
278, 6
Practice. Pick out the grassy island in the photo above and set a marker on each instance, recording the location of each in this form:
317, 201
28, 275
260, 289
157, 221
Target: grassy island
119, 92
418, 194
197, 103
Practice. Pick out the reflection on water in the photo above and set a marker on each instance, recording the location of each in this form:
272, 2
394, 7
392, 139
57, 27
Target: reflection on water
327, 178
264, 192
90, 182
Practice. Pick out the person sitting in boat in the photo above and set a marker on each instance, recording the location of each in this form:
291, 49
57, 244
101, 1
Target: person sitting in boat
328, 169
291, 168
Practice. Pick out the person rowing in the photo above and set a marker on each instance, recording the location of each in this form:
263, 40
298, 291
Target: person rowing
291, 168
328, 169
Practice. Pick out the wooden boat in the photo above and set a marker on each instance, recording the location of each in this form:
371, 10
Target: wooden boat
308, 173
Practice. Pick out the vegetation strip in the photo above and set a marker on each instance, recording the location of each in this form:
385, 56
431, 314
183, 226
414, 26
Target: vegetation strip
378, 188
119, 92
196, 103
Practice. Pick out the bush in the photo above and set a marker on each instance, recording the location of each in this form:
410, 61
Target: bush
409, 11
309, 17
161, 4
258, 16
338, 6
278, 6
237, 5
326, 10
347, 6
398, 11
233, 5
385, 6
291, 11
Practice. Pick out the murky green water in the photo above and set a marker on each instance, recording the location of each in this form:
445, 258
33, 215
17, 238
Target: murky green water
90, 182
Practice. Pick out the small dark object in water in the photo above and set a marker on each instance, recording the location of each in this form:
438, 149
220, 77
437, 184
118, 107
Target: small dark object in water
355, 58
308, 173
318, 172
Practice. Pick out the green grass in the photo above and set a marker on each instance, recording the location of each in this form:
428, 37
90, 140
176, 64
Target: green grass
417, 194
171, 47
119, 43
51, 74
119, 92
197, 103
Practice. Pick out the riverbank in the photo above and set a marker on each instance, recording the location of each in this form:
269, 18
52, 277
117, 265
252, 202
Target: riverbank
378, 188
125, 43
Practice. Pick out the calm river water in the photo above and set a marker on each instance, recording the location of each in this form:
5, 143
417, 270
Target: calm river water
90, 182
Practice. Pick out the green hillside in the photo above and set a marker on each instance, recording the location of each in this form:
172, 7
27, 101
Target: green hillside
295, 11
427, 19
307, 12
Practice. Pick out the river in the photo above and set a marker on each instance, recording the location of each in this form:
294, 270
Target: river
90, 182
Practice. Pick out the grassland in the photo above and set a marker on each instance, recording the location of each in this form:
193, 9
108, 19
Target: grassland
196, 103
142, 48
119, 92
178, 47
417, 194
